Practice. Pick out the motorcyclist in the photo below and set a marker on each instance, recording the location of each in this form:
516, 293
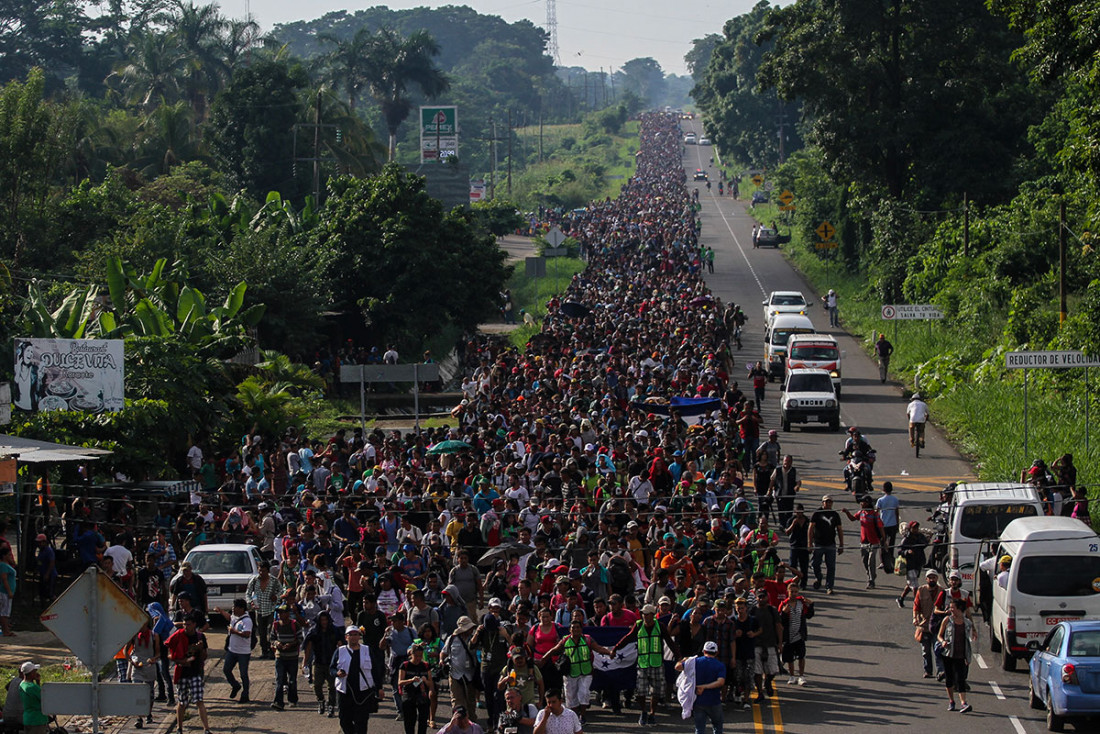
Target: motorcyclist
858, 476
856, 443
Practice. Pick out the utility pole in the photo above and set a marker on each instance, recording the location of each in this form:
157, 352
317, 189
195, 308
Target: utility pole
1062, 261
540, 129
509, 152
966, 226
317, 151
493, 155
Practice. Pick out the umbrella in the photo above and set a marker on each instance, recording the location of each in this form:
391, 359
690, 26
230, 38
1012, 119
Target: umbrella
702, 300
575, 310
448, 447
504, 550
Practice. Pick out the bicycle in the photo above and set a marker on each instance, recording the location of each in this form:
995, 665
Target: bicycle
916, 437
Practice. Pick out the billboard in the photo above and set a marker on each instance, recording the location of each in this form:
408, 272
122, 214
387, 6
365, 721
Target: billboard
68, 374
438, 133
477, 190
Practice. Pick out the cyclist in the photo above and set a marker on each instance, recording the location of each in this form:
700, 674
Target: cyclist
883, 349
917, 410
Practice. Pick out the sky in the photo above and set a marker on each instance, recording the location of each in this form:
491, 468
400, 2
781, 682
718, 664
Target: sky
591, 33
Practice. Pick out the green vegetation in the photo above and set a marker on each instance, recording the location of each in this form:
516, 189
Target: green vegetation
964, 215
531, 294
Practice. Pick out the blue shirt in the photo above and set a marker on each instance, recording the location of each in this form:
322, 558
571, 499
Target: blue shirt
887, 507
708, 670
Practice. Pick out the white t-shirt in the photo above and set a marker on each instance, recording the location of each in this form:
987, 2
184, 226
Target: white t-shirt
194, 458
121, 558
917, 411
237, 644
567, 722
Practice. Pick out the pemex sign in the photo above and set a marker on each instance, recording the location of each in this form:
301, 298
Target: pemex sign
438, 133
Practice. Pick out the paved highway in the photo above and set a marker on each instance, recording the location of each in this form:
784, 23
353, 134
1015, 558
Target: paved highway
864, 668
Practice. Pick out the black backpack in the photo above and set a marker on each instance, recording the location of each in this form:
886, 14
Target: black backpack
622, 580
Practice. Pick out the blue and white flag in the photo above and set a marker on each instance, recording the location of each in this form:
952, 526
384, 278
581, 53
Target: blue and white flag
616, 673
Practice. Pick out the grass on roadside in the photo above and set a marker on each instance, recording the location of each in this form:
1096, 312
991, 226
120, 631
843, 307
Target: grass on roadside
57, 673
531, 294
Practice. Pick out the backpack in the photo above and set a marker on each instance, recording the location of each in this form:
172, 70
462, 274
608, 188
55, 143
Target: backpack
622, 580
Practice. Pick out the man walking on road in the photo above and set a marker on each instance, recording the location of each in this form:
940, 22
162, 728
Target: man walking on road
887, 506
785, 485
883, 350
924, 602
830, 301
710, 679
827, 541
187, 649
870, 538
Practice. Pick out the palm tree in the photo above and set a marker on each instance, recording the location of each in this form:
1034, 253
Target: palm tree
198, 30
347, 64
397, 63
152, 73
168, 138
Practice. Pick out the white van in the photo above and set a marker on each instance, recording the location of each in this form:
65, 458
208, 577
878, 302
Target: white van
783, 326
815, 351
1054, 577
981, 511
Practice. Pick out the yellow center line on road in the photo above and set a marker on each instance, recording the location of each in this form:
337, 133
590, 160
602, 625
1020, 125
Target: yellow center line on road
916, 484
777, 718
757, 718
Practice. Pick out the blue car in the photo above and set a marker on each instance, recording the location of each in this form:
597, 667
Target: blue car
1065, 673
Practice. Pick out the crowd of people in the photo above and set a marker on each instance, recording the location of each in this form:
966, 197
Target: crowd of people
475, 561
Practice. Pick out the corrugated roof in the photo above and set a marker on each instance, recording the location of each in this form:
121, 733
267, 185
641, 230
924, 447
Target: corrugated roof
33, 451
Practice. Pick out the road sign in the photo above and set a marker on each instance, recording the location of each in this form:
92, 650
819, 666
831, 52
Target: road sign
94, 618
825, 231
438, 133
555, 251
555, 237
1049, 360
769, 186
534, 267
389, 372
915, 312
825, 245
115, 699
786, 197
757, 179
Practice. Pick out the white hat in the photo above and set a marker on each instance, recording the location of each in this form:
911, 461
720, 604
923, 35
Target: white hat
495, 602
711, 647
352, 628
28, 667
590, 447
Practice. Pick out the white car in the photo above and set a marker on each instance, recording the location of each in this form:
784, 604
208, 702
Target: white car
704, 141
226, 569
783, 302
808, 397
689, 139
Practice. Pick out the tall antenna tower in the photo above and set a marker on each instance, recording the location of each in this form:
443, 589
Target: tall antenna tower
552, 29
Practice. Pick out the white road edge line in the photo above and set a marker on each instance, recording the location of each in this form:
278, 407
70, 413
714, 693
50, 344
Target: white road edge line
996, 690
981, 662
736, 241
1017, 725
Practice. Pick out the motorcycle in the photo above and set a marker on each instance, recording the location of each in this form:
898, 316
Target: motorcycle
859, 476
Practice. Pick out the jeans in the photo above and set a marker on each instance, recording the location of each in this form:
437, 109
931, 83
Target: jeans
416, 715
828, 552
800, 560
785, 507
927, 655
494, 699
263, 623
353, 717
889, 540
702, 713
868, 553
240, 660
286, 677
322, 674
164, 676
834, 316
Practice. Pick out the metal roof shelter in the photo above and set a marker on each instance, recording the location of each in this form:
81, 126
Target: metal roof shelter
32, 451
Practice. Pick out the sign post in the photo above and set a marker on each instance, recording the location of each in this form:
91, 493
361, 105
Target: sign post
364, 373
94, 618
438, 133
911, 312
1057, 360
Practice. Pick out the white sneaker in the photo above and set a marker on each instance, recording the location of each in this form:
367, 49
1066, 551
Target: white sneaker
801, 680
791, 681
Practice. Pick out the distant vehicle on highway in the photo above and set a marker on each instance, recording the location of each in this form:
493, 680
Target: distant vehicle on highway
808, 397
687, 116
768, 237
779, 302
704, 141
700, 175
759, 197
689, 139
1064, 674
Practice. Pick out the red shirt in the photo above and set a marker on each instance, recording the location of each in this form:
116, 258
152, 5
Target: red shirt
625, 618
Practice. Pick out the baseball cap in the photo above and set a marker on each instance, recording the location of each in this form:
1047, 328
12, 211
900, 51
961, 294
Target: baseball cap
649, 609
1006, 559
495, 602
352, 628
711, 647
827, 498
40, 537
28, 667
931, 572
954, 574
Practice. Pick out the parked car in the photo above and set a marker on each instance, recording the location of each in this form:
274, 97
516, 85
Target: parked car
1065, 673
226, 569
768, 237
759, 197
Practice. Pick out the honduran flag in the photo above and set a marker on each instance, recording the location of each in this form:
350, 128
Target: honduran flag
616, 673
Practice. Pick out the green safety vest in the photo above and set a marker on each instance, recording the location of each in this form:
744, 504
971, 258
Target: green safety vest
649, 646
579, 655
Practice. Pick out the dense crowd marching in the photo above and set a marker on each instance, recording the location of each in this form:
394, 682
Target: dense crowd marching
572, 499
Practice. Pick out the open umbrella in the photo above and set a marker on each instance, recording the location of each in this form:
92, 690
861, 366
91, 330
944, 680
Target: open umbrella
702, 300
504, 550
575, 310
448, 447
